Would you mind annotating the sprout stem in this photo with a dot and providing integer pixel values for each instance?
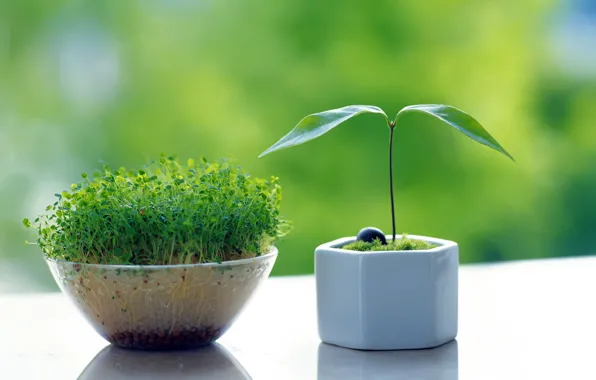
(391, 128)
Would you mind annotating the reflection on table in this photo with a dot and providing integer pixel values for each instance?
(211, 362)
(439, 363)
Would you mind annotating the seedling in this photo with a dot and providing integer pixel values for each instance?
(317, 124)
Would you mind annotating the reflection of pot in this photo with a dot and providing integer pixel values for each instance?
(211, 362)
(440, 363)
(162, 306)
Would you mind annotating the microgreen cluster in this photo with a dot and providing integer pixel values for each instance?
(403, 244)
(165, 213)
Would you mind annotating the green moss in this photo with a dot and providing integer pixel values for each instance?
(164, 213)
(402, 244)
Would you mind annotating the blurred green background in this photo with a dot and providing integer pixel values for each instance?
(123, 82)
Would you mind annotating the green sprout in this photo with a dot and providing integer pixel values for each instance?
(317, 124)
(164, 213)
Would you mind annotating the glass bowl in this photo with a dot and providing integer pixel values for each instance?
(158, 307)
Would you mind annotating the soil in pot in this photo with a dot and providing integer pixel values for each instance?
(401, 244)
(166, 339)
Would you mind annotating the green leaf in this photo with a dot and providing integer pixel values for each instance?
(317, 124)
(26, 223)
(459, 120)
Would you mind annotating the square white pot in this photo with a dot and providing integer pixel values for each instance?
(387, 300)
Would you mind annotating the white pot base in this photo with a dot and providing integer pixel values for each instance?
(389, 349)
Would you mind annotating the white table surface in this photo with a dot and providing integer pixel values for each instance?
(519, 320)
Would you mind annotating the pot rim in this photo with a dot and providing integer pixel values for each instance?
(271, 254)
(336, 245)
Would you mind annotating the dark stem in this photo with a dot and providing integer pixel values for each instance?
(391, 128)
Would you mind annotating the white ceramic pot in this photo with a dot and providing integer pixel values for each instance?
(387, 300)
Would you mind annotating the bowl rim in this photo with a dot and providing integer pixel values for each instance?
(271, 254)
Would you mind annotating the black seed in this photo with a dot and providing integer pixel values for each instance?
(369, 234)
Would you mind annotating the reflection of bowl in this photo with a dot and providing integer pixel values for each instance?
(440, 363)
(208, 362)
(162, 306)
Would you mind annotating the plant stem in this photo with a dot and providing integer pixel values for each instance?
(391, 128)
